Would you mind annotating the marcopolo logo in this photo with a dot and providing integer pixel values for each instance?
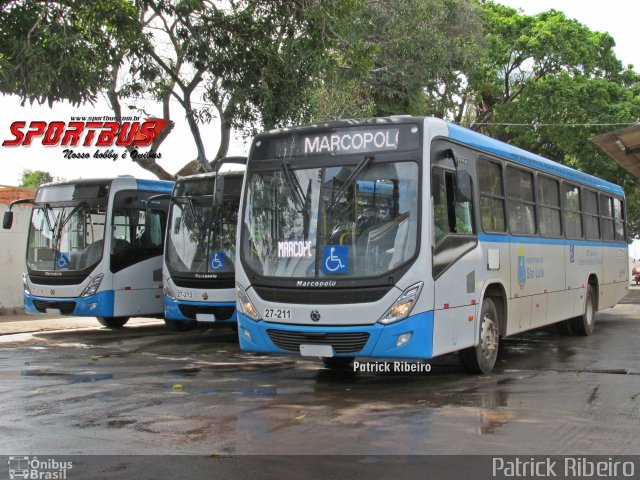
(34, 468)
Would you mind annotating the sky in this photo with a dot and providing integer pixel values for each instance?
(617, 17)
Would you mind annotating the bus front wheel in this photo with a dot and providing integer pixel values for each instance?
(482, 357)
(113, 322)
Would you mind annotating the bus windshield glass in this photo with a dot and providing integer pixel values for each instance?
(202, 230)
(357, 220)
(67, 227)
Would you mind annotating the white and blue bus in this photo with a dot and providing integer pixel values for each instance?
(198, 270)
(94, 248)
(410, 238)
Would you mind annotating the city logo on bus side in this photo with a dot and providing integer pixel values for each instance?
(522, 268)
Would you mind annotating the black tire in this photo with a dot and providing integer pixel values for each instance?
(482, 357)
(337, 363)
(564, 327)
(181, 325)
(113, 322)
(234, 326)
(585, 323)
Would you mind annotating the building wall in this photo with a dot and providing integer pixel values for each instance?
(13, 245)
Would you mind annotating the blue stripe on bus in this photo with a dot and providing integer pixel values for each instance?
(100, 304)
(485, 237)
(253, 336)
(172, 309)
(491, 145)
(162, 186)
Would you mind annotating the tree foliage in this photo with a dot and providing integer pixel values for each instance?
(57, 50)
(401, 57)
(34, 178)
(543, 82)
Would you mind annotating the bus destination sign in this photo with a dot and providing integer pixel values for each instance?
(339, 142)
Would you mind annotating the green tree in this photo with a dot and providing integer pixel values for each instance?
(62, 50)
(34, 178)
(247, 63)
(548, 84)
(401, 57)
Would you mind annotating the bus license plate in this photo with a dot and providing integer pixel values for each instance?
(205, 317)
(277, 313)
(316, 350)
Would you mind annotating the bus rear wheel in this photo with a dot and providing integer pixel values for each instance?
(181, 325)
(585, 323)
(337, 363)
(482, 357)
(112, 322)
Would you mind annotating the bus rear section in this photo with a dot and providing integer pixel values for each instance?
(95, 249)
(199, 275)
(412, 237)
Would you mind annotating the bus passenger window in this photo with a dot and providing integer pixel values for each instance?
(549, 207)
(619, 220)
(572, 211)
(590, 210)
(491, 196)
(520, 207)
(606, 217)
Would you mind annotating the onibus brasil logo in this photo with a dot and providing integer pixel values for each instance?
(100, 132)
(34, 468)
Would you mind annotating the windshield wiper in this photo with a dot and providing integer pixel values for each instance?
(61, 221)
(362, 164)
(294, 186)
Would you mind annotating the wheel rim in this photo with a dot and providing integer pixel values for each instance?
(589, 313)
(488, 337)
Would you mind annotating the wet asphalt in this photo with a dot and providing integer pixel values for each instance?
(144, 390)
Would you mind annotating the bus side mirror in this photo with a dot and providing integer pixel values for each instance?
(7, 220)
(463, 187)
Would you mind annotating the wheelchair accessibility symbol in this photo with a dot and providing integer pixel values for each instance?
(62, 260)
(216, 261)
(335, 259)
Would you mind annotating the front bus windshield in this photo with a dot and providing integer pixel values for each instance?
(357, 220)
(67, 227)
(202, 231)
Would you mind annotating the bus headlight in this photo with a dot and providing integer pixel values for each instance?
(244, 304)
(92, 288)
(168, 292)
(25, 284)
(403, 305)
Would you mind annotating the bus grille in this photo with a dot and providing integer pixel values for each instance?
(341, 342)
(66, 308)
(214, 283)
(319, 296)
(221, 313)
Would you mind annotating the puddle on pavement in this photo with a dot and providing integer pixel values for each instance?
(84, 377)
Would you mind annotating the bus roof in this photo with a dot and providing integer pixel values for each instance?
(523, 157)
(471, 138)
(160, 186)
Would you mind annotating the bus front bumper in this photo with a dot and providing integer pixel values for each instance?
(383, 340)
(97, 305)
(201, 311)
